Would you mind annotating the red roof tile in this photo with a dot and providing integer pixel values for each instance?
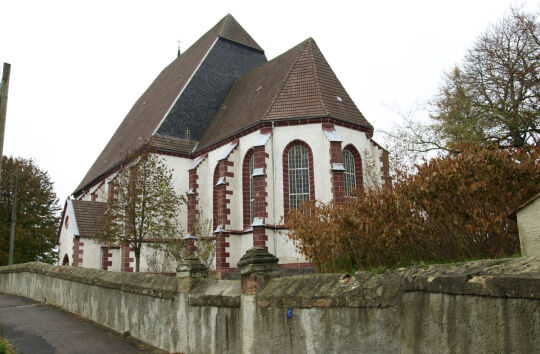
(89, 215)
(149, 110)
(298, 84)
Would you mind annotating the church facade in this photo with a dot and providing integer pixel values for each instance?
(248, 140)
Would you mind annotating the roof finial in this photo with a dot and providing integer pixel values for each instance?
(179, 42)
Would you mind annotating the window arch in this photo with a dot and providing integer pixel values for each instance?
(65, 261)
(352, 162)
(247, 188)
(298, 177)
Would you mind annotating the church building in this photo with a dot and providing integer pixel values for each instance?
(248, 139)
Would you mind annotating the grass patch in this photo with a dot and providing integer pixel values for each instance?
(6, 347)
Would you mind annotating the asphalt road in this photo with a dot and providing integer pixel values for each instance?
(35, 328)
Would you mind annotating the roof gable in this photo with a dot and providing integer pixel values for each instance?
(155, 104)
(298, 84)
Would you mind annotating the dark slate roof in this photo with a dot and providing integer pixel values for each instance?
(147, 113)
(170, 143)
(89, 216)
(295, 85)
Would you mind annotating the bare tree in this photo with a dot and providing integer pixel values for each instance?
(494, 95)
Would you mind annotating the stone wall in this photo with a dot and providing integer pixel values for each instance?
(482, 306)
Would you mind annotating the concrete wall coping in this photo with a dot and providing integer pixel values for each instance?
(510, 278)
(140, 283)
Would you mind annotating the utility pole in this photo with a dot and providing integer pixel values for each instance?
(13, 222)
(4, 87)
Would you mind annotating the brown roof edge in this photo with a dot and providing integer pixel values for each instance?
(61, 223)
(513, 214)
(98, 179)
(268, 122)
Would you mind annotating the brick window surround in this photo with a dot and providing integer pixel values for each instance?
(286, 206)
(357, 166)
(246, 190)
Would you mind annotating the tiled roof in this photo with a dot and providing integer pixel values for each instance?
(297, 84)
(89, 216)
(170, 143)
(149, 110)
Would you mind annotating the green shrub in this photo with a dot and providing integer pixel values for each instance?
(6, 347)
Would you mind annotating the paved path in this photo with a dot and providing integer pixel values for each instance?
(35, 328)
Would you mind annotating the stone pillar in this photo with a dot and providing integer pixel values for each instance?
(191, 268)
(256, 268)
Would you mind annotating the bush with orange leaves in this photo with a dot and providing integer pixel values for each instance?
(455, 207)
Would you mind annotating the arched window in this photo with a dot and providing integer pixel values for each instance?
(350, 176)
(247, 188)
(298, 184)
(352, 162)
(298, 176)
(65, 261)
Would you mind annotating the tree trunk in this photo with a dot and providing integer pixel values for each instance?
(137, 258)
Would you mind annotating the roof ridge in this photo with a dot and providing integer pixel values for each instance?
(305, 42)
(311, 40)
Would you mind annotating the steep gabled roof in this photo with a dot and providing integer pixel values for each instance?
(295, 85)
(151, 108)
(88, 216)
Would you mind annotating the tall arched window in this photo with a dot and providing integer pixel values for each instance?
(298, 176)
(298, 184)
(352, 163)
(350, 176)
(248, 192)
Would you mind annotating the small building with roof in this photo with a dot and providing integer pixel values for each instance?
(248, 138)
(528, 221)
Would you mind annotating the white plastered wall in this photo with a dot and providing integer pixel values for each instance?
(115, 259)
(65, 245)
(91, 253)
(528, 219)
(162, 263)
(180, 167)
(368, 151)
(312, 134)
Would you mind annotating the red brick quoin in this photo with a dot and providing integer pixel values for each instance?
(222, 211)
(337, 177)
(125, 265)
(193, 204)
(105, 256)
(77, 252)
(260, 194)
(286, 174)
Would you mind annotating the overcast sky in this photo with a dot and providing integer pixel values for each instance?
(79, 66)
